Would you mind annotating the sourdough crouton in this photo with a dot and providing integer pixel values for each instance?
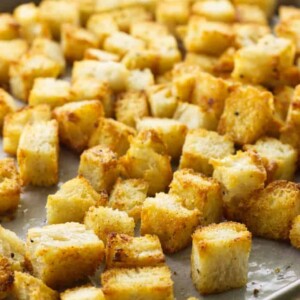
(100, 55)
(148, 283)
(198, 191)
(16, 121)
(28, 287)
(240, 175)
(10, 185)
(295, 233)
(77, 121)
(200, 146)
(128, 195)
(38, 153)
(171, 132)
(105, 220)
(83, 293)
(268, 6)
(6, 277)
(247, 123)
(112, 134)
(99, 165)
(7, 105)
(124, 251)
(75, 196)
(248, 13)
(220, 255)
(165, 217)
(9, 27)
(55, 252)
(139, 80)
(146, 158)
(269, 212)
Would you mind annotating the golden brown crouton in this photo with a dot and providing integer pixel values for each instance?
(248, 13)
(283, 96)
(288, 12)
(6, 277)
(268, 6)
(7, 105)
(139, 80)
(83, 293)
(9, 27)
(295, 233)
(100, 55)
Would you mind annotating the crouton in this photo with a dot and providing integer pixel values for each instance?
(148, 283)
(83, 293)
(26, 287)
(247, 123)
(128, 195)
(205, 62)
(77, 121)
(171, 132)
(54, 253)
(6, 277)
(100, 55)
(248, 13)
(295, 233)
(200, 146)
(146, 158)
(76, 196)
(288, 13)
(139, 80)
(38, 153)
(183, 85)
(9, 27)
(165, 217)
(198, 191)
(105, 220)
(86, 9)
(268, 6)
(283, 96)
(220, 256)
(148, 31)
(7, 105)
(240, 175)
(16, 121)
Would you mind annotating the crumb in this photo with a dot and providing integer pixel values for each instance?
(255, 292)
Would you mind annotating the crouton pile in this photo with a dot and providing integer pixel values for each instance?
(186, 118)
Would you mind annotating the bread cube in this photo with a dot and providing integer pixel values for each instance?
(200, 146)
(55, 253)
(75, 41)
(271, 211)
(75, 196)
(11, 51)
(7, 105)
(6, 278)
(100, 55)
(16, 121)
(247, 123)
(240, 175)
(283, 96)
(83, 293)
(220, 256)
(295, 233)
(77, 121)
(146, 158)
(147, 283)
(280, 160)
(198, 191)
(264, 62)
(268, 6)
(50, 13)
(38, 153)
(171, 132)
(105, 220)
(128, 195)
(288, 12)
(9, 27)
(205, 62)
(139, 80)
(248, 13)
(124, 251)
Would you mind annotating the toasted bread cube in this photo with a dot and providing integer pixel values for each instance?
(124, 251)
(56, 251)
(100, 55)
(148, 30)
(270, 212)
(12, 248)
(75, 41)
(27, 69)
(83, 293)
(216, 10)
(205, 62)
(246, 124)
(50, 13)
(7, 105)
(248, 13)
(38, 153)
(146, 158)
(165, 217)
(264, 62)
(11, 51)
(240, 175)
(77, 121)
(268, 6)
(9, 27)
(75, 196)
(198, 191)
(171, 132)
(282, 99)
(105, 220)
(295, 233)
(6, 277)
(200, 146)
(148, 283)
(288, 13)
(99, 165)
(16, 121)
(129, 195)
(220, 256)
(279, 159)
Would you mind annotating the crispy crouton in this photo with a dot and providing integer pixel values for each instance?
(100, 55)
(288, 13)
(9, 27)
(55, 252)
(283, 96)
(105, 220)
(6, 277)
(148, 283)
(205, 62)
(165, 217)
(295, 233)
(7, 105)
(83, 293)
(139, 80)
(268, 6)
(248, 13)
(76, 196)
(200, 146)
(220, 255)
(38, 153)
(148, 31)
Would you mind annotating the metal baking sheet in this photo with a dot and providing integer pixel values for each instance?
(274, 271)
